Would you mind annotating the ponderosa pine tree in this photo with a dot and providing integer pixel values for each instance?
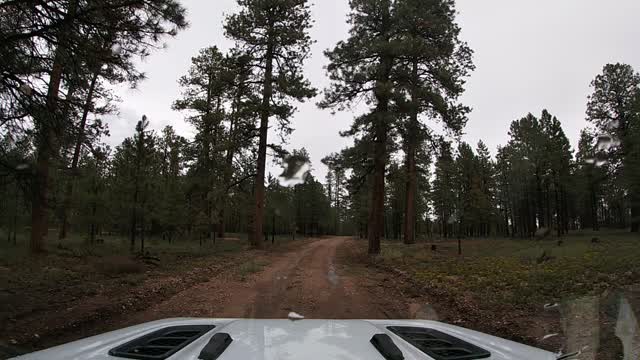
(613, 109)
(361, 68)
(274, 36)
(204, 93)
(432, 66)
(44, 43)
(589, 178)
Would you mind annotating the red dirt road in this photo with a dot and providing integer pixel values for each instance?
(305, 277)
(305, 280)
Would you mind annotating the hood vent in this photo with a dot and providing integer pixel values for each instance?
(439, 345)
(161, 344)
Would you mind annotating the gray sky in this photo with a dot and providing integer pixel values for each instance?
(530, 55)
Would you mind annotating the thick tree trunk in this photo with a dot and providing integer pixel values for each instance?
(376, 209)
(255, 237)
(412, 173)
(68, 194)
(337, 201)
(49, 128)
(227, 172)
(46, 151)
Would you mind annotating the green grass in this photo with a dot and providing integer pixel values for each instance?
(77, 246)
(504, 271)
(251, 267)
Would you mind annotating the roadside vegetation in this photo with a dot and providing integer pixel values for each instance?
(520, 290)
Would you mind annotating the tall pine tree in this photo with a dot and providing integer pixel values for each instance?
(273, 35)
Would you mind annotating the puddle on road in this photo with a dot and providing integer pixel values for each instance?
(332, 276)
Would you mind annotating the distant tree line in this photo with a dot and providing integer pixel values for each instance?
(536, 183)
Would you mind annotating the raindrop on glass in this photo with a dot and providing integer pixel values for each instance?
(296, 169)
(606, 142)
(26, 89)
(614, 124)
(116, 49)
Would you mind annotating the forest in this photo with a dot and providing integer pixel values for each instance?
(408, 175)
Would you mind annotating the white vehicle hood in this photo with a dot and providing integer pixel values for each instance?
(288, 340)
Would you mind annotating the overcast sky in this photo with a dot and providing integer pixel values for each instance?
(530, 55)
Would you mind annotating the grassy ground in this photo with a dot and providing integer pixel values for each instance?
(501, 286)
(98, 280)
(504, 271)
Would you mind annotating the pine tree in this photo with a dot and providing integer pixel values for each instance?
(361, 68)
(205, 90)
(443, 191)
(336, 182)
(613, 109)
(47, 47)
(432, 67)
(273, 35)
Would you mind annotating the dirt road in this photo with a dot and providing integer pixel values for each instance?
(306, 280)
(306, 277)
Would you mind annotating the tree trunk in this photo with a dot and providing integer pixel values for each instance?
(255, 237)
(539, 204)
(134, 214)
(68, 194)
(15, 218)
(635, 213)
(376, 210)
(132, 235)
(337, 201)
(228, 171)
(142, 224)
(594, 210)
(48, 130)
(380, 118)
(412, 173)
(558, 210)
(46, 151)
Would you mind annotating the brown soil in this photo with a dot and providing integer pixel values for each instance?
(305, 280)
(304, 277)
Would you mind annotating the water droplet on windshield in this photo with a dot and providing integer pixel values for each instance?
(614, 124)
(453, 219)
(606, 142)
(596, 162)
(26, 89)
(116, 49)
(296, 170)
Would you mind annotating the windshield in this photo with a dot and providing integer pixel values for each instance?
(471, 162)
